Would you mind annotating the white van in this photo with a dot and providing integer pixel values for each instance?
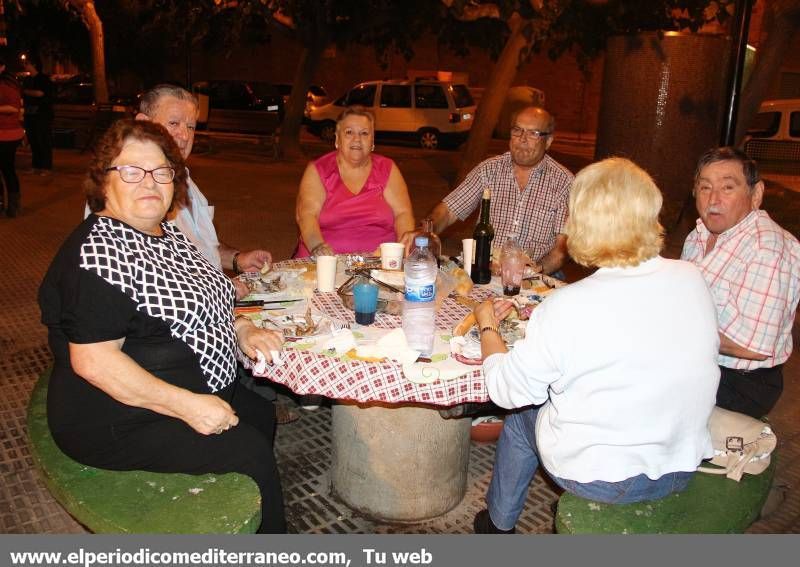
(434, 113)
(775, 134)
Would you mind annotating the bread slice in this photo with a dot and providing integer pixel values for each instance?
(464, 325)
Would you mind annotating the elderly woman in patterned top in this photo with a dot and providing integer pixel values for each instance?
(142, 331)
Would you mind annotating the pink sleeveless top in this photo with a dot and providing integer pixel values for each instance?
(354, 223)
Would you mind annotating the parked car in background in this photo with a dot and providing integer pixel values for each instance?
(315, 96)
(239, 106)
(433, 113)
(77, 119)
(775, 133)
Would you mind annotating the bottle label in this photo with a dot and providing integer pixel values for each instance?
(420, 293)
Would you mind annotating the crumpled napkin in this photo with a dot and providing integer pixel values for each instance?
(341, 340)
(465, 347)
(260, 365)
(391, 345)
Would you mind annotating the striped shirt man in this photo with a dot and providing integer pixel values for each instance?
(533, 215)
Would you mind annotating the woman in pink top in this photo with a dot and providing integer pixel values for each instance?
(352, 200)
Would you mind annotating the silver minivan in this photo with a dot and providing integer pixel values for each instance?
(775, 133)
(433, 113)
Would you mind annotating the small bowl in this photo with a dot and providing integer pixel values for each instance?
(486, 431)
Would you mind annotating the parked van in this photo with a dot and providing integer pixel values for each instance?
(434, 113)
(775, 134)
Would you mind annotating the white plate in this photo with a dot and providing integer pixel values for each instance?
(471, 347)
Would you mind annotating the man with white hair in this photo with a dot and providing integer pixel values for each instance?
(177, 109)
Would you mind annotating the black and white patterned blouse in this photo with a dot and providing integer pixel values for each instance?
(169, 279)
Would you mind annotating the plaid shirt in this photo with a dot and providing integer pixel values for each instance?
(754, 275)
(533, 216)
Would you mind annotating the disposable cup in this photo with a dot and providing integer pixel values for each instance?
(326, 273)
(392, 255)
(468, 254)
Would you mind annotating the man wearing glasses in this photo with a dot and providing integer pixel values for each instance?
(529, 192)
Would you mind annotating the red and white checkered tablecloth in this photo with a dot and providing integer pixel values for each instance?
(306, 372)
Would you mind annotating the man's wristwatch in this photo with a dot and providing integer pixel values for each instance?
(490, 328)
(236, 263)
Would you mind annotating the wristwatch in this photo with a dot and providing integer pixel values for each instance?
(235, 262)
(490, 328)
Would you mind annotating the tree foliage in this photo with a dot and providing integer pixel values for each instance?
(586, 26)
(557, 26)
(388, 26)
(45, 28)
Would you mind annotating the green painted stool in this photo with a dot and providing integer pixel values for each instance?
(711, 504)
(136, 501)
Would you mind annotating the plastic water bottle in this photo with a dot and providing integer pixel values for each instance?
(419, 307)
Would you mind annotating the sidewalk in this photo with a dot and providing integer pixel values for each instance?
(254, 198)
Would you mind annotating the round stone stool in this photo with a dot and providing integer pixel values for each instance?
(403, 464)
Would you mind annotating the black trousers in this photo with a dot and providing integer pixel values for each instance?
(169, 445)
(40, 136)
(8, 168)
(752, 392)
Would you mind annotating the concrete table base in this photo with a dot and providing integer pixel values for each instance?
(402, 464)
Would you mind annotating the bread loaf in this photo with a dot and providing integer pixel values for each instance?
(465, 325)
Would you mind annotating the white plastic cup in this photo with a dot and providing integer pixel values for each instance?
(468, 254)
(392, 255)
(326, 274)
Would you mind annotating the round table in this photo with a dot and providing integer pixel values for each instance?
(394, 456)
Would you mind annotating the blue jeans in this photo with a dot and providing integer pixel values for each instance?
(517, 459)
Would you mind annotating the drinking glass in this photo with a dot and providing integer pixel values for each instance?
(512, 268)
(365, 301)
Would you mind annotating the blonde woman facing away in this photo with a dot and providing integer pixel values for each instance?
(616, 377)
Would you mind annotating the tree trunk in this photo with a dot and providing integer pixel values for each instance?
(781, 22)
(95, 27)
(493, 97)
(289, 145)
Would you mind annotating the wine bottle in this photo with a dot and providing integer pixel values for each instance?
(483, 235)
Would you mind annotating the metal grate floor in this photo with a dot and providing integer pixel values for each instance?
(303, 450)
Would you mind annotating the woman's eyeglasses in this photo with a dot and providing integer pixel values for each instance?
(134, 173)
(517, 132)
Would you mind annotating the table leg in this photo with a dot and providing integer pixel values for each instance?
(403, 464)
